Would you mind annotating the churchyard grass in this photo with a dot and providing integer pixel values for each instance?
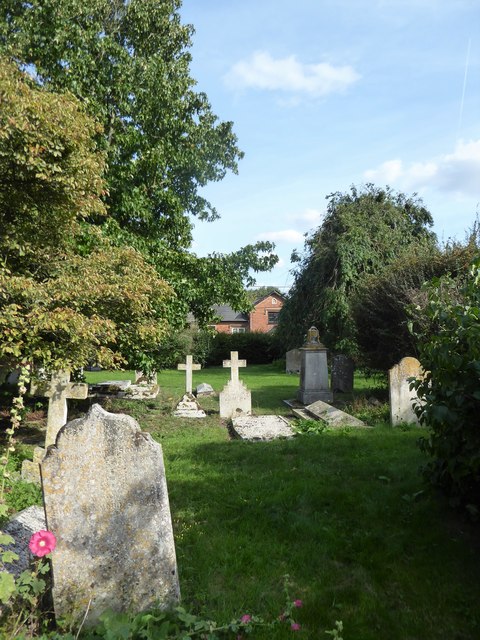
(344, 513)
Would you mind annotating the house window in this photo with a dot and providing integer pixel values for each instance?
(237, 329)
(273, 317)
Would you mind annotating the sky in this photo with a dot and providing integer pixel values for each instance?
(324, 94)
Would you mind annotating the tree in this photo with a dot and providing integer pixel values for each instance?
(128, 62)
(67, 294)
(385, 303)
(362, 231)
(449, 350)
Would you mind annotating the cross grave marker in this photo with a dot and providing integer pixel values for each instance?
(189, 367)
(234, 363)
(58, 389)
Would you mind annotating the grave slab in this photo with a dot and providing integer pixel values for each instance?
(262, 428)
(106, 501)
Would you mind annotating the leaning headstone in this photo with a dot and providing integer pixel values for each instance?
(314, 370)
(235, 399)
(21, 527)
(402, 398)
(58, 390)
(261, 428)
(332, 416)
(189, 367)
(342, 374)
(106, 501)
(293, 361)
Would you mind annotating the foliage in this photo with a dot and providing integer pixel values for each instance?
(68, 296)
(363, 230)
(128, 62)
(384, 302)
(254, 346)
(308, 426)
(450, 355)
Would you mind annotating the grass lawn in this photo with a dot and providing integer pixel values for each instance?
(345, 514)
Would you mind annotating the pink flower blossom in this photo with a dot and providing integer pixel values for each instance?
(295, 626)
(42, 542)
(297, 603)
(246, 618)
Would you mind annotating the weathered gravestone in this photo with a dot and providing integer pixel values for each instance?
(401, 397)
(293, 361)
(314, 370)
(21, 527)
(261, 428)
(342, 374)
(235, 399)
(106, 501)
(58, 390)
(189, 367)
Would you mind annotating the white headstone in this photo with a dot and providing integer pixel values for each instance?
(235, 399)
(189, 367)
(106, 501)
(402, 398)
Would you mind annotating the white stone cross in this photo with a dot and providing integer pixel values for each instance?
(189, 367)
(58, 389)
(234, 363)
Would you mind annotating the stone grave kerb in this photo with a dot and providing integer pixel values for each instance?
(58, 390)
(233, 364)
(189, 367)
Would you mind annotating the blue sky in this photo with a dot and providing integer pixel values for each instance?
(328, 93)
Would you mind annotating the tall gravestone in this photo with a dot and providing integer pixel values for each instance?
(314, 370)
(235, 399)
(342, 374)
(106, 501)
(402, 398)
(189, 367)
(293, 361)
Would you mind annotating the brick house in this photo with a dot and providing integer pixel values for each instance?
(262, 318)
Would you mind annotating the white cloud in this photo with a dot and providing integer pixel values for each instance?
(313, 217)
(262, 71)
(287, 235)
(458, 171)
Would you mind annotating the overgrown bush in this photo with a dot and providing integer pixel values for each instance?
(254, 347)
(450, 354)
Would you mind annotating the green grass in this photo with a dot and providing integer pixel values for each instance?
(345, 513)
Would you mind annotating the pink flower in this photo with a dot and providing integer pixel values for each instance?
(42, 542)
(295, 626)
(297, 603)
(246, 618)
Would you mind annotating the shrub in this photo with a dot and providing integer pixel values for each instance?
(254, 347)
(450, 354)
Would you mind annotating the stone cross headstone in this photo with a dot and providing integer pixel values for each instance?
(234, 364)
(401, 397)
(106, 501)
(189, 367)
(58, 389)
(314, 371)
(342, 374)
(235, 399)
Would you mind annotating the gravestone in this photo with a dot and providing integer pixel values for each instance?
(204, 389)
(188, 407)
(293, 361)
(106, 501)
(401, 397)
(58, 390)
(342, 374)
(235, 399)
(21, 527)
(189, 367)
(314, 370)
(261, 428)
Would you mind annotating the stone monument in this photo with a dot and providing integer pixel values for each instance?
(106, 501)
(402, 398)
(314, 370)
(235, 399)
(189, 367)
(342, 374)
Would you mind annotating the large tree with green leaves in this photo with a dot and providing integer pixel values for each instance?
(68, 295)
(363, 230)
(128, 62)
